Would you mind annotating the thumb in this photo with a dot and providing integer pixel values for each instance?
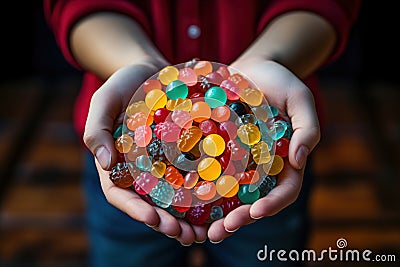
(106, 108)
(103, 110)
(306, 131)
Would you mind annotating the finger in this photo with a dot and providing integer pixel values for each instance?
(187, 236)
(200, 232)
(127, 201)
(285, 193)
(237, 218)
(108, 104)
(168, 225)
(304, 119)
(99, 126)
(216, 232)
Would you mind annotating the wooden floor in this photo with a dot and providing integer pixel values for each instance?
(41, 218)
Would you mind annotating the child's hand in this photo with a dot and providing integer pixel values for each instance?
(295, 102)
(107, 109)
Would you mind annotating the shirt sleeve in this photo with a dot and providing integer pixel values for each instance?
(62, 15)
(341, 14)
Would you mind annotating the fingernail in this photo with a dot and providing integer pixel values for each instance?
(256, 218)
(232, 231)
(185, 245)
(216, 242)
(200, 242)
(171, 236)
(301, 156)
(103, 157)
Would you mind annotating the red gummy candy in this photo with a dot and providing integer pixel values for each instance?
(198, 214)
(208, 127)
(182, 199)
(282, 147)
(229, 204)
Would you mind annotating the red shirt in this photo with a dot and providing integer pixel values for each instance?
(181, 30)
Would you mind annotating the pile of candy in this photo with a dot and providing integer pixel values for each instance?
(199, 140)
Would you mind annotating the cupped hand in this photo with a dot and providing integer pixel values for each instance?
(106, 111)
(295, 102)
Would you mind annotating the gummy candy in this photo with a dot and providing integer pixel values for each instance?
(229, 204)
(266, 185)
(168, 74)
(209, 169)
(189, 138)
(249, 134)
(124, 143)
(238, 107)
(200, 111)
(213, 145)
(276, 166)
(215, 97)
(278, 130)
(260, 152)
(190, 179)
(248, 177)
(167, 131)
(223, 71)
(145, 182)
(252, 96)
(138, 119)
(205, 190)
(237, 152)
(151, 84)
(160, 115)
(158, 169)
(199, 140)
(227, 186)
(182, 199)
(282, 147)
(139, 106)
(214, 77)
(121, 176)
(182, 118)
(241, 82)
(232, 90)
(188, 76)
(176, 89)
(179, 104)
(173, 176)
(143, 135)
(216, 213)
(246, 196)
(220, 114)
(199, 213)
(208, 127)
(162, 194)
(143, 162)
(203, 68)
(228, 130)
(260, 112)
(155, 99)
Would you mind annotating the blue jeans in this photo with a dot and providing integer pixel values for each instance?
(116, 240)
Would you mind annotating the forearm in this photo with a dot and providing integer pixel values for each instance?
(104, 42)
(299, 40)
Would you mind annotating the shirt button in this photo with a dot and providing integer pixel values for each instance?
(194, 31)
